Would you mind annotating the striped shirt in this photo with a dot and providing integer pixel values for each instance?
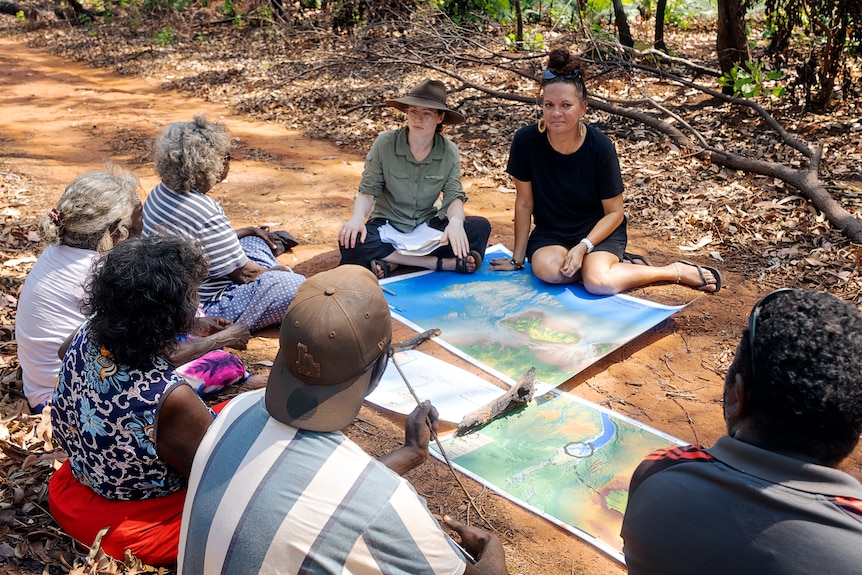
(265, 497)
(197, 216)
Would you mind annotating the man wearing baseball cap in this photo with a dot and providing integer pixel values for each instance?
(276, 487)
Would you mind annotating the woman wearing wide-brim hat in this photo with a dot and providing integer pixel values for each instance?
(406, 172)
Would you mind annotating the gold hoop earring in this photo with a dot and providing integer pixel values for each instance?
(542, 126)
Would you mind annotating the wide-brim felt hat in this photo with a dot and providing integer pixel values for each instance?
(428, 94)
(334, 332)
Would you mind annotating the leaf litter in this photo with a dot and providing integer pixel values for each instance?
(768, 233)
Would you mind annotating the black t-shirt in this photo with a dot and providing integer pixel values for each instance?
(568, 189)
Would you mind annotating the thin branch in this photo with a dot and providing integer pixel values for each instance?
(789, 139)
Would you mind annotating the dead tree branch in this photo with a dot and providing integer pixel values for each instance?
(449, 52)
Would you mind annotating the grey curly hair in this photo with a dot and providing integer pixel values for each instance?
(95, 209)
(191, 155)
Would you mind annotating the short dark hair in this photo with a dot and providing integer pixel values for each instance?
(806, 395)
(143, 294)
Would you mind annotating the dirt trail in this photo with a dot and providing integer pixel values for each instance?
(61, 118)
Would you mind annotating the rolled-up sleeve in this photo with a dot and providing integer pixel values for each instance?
(452, 188)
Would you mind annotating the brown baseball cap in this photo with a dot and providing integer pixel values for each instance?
(333, 333)
(428, 94)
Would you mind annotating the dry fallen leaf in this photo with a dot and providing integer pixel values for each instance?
(705, 240)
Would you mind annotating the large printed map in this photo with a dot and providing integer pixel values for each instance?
(566, 459)
(562, 457)
(507, 322)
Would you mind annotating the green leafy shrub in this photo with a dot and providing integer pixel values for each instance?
(750, 79)
(165, 36)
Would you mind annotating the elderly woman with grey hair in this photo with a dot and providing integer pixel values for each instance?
(97, 211)
(246, 282)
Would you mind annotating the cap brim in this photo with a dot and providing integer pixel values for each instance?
(313, 407)
(451, 117)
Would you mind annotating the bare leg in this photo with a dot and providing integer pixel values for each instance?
(547, 263)
(603, 273)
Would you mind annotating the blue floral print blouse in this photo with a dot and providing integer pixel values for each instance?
(104, 417)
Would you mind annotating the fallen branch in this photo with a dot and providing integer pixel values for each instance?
(516, 398)
(806, 181)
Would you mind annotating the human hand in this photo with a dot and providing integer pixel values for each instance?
(350, 231)
(235, 335)
(208, 325)
(457, 238)
(417, 433)
(262, 233)
(574, 260)
(503, 265)
(473, 539)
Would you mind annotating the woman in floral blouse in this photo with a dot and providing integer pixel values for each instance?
(128, 421)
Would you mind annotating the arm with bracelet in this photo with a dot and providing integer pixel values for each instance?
(523, 223)
(612, 218)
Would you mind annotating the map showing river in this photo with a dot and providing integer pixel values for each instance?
(566, 459)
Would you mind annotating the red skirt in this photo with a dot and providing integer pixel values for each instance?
(149, 528)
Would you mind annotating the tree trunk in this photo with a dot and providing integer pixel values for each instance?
(660, 8)
(622, 25)
(519, 26)
(731, 42)
(831, 59)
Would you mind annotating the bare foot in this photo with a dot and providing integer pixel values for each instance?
(256, 381)
(471, 264)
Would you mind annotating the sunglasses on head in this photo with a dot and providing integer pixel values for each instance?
(573, 75)
(755, 313)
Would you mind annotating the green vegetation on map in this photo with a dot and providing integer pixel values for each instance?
(534, 327)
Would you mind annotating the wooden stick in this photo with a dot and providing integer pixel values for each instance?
(516, 398)
(437, 439)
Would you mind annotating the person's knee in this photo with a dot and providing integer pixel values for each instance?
(258, 251)
(597, 283)
(278, 285)
(480, 224)
(547, 271)
(480, 229)
(253, 242)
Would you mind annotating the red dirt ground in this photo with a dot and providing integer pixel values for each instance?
(61, 118)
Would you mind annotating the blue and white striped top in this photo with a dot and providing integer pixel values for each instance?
(265, 497)
(197, 216)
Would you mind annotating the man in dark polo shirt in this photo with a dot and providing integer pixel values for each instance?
(767, 498)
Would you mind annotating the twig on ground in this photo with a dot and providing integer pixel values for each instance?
(688, 417)
(666, 359)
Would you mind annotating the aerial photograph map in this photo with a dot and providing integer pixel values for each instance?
(561, 456)
(507, 322)
(564, 458)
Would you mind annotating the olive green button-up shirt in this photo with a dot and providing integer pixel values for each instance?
(406, 191)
